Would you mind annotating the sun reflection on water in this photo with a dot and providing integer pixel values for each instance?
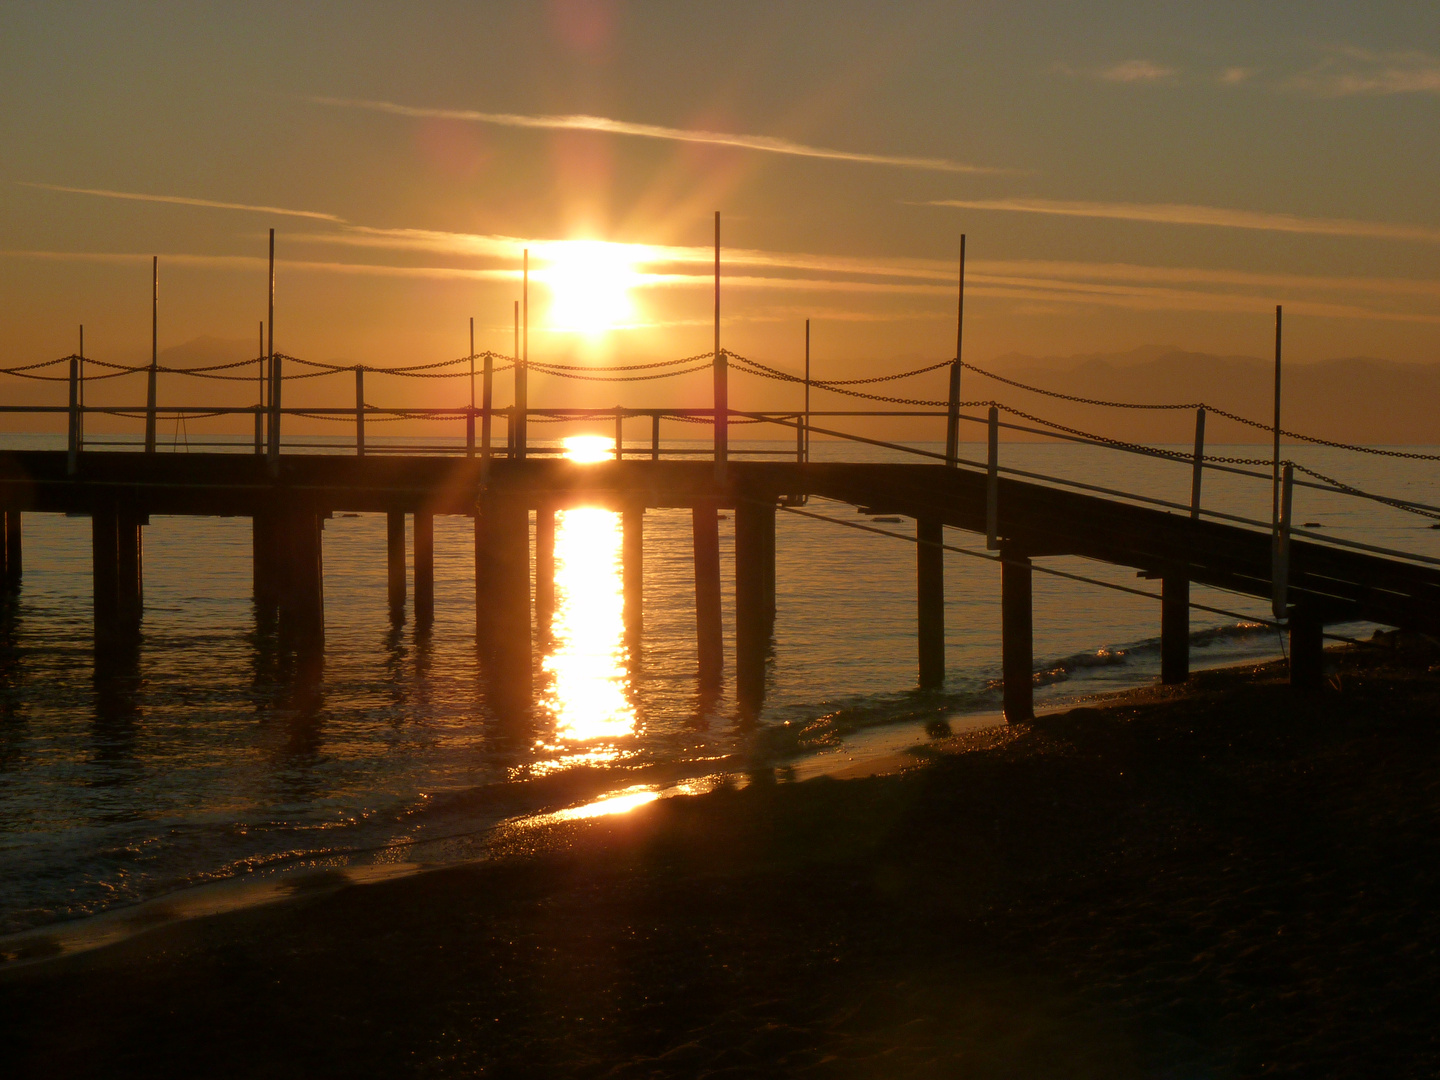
(587, 665)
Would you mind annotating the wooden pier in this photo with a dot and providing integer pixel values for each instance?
(290, 497)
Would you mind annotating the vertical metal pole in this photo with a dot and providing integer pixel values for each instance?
(952, 419)
(260, 407)
(470, 416)
(522, 369)
(619, 433)
(722, 390)
(273, 451)
(359, 410)
(72, 459)
(80, 442)
(154, 355)
(1275, 465)
(807, 390)
(992, 483)
(510, 413)
(487, 388)
(1280, 568)
(1198, 474)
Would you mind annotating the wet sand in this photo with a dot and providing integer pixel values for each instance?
(1222, 880)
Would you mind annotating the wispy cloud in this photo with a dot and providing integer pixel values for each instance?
(1350, 72)
(1234, 76)
(181, 200)
(1136, 71)
(580, 122)
(1185, 214)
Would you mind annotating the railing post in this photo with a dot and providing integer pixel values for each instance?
(952, 419)
(273, 449)
(72, 459)
(722, 389)
(992, 483)
(1280, 558)
(619, 433)
(655, 436)
(154, 355)
(487, 387)
(359, 410)
(1199, 471)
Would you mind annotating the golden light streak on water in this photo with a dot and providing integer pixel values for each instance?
(588, 663)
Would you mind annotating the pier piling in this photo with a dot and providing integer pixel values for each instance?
(10, 549)
(395, 563)
(1307, 652)
(302, 592)
(265, 560)
(709, 637)
(1016, 635)
(129, 567)
(930, 581)
(754, 599)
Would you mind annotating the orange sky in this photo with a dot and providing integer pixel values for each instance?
(1128, 175)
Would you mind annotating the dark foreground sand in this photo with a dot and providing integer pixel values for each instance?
(1226, 881)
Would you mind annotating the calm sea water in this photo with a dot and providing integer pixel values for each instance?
(205, 756)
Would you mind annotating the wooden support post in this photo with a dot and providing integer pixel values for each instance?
(129, 570)
(655, 436)
(633, 566)
(359, 410)
(154, 356)
(722, 385)
(1307, 652)
(105, 572)
(1174, 628)
(1198, 469)
(930, 596)
(424, 569)
(992, 482)
(709, 637)
(1017, 658)
(544, 568)
(302, 597)
(72, 444)
(4, 553)
(395, 564)
(265, 562)
(754, 599)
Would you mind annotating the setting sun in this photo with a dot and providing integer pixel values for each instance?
(590, 283)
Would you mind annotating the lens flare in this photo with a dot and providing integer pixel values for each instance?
(590, 283)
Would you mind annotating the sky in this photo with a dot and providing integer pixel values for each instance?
(1126, 174)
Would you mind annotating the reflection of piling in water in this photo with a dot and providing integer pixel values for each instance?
(709, 635)
(754, 599)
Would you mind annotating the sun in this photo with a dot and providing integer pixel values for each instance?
(590, 283)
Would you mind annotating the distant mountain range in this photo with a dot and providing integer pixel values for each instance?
(1352, 399)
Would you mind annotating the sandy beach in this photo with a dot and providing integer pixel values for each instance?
(1217, 880)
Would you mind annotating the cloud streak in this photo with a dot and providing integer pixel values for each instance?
(581, 122)
(1214, 216)
(1351, 72)
(182, 200)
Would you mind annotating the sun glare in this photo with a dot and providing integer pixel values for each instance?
(590, 283)
(588, 449)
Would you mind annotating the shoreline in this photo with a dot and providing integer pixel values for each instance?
(1207, 880)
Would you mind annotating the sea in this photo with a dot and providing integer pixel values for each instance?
(207, 757)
